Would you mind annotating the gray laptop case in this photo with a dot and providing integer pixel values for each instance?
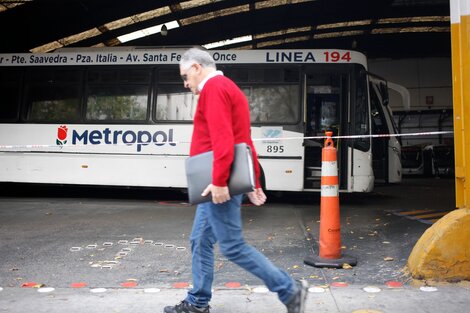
(199, 173)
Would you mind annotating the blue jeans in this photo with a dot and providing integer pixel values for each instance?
(222, 223)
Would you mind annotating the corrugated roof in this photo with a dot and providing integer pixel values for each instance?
(385, 28)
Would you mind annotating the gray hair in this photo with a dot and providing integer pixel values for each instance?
(197, 56)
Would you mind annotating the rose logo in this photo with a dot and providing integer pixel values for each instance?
(61, 135)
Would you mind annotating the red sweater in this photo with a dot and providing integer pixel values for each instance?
(222, 120)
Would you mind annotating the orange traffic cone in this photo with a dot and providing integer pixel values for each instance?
(330, 228)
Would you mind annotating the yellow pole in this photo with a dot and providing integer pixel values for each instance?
(459, 109)
(465, 85)
(443, 252)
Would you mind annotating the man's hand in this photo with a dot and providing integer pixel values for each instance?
(257, 197)
(219, 194)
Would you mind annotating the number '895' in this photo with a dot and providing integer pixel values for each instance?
(275, 149)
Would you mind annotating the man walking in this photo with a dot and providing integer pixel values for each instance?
(222, 119)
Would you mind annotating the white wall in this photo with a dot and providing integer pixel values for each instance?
(427, 77)
(424, 78)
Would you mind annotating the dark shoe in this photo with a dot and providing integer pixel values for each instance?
(297, 303)
(185, 307)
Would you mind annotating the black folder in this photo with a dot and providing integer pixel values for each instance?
(199, 173)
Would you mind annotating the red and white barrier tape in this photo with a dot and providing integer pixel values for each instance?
(39, 146)
(360, 136)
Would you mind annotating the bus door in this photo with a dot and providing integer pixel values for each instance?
(386, 150)
(325, 92)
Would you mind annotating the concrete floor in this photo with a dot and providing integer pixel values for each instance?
(132, 247)
(106, 237)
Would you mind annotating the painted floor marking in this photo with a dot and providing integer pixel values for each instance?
(412, 212)
(424, 216)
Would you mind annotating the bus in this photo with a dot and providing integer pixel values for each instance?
(428, 160)
(121, 117)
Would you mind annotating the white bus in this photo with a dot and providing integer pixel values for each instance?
(121, 117)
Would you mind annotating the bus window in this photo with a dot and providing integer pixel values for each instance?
(170, 76)
(361, 113)
(175, 103)
(328, 117)
(270, 99)
(108, 103)
(115, 76)
(273, 103)
(412, 160)
(262, 75)
(53, 95)
(273, 93)
(323, 107)
(380, 145)
(10, 82)
(386, 150)
(117, 95)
